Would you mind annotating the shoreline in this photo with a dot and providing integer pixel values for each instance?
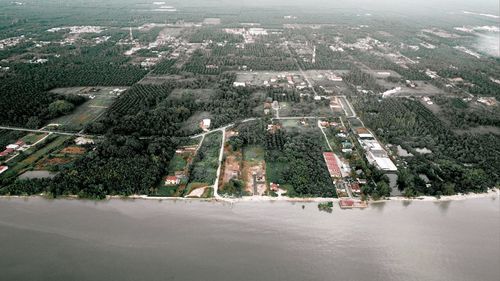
(493, 193)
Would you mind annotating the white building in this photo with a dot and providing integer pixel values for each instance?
(239, 84)
(205, 124)
(256, 31)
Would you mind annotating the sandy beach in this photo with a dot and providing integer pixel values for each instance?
(492, 193)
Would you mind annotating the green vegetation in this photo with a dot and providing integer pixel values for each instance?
(326, 206)
(204, 168)
(293, 159)
(139, 131)
(463, 115)
(235, 188)
(28, 159)
(458, 163)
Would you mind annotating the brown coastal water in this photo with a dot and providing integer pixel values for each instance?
(166, 240)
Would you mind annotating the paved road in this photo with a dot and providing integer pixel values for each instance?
(221, 154)
(296, 117)
(44, 131)
(302, 72)
(326, 138)
(221, 128)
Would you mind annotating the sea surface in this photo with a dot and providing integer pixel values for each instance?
(191, 240)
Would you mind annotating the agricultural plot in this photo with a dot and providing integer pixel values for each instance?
(30, 159)
(294, 160)
(326, 78)
(138, 97)
(254, 170)
(56, 160)
(32, 138)
(99, 100)
(300, 126)
(422, 88)
(206, 162)
(305, 108)
(232, 165)
(255, 56)
(178, 170)
(257, 78)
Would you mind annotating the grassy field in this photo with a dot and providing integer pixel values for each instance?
(294, 125)
(253, 153)
(32, 138)
(206, 162)
(88, 111)
(177, 163)
(167, 191)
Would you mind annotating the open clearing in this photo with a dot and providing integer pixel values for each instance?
(254, 169)
(100, 98)
(197, 95)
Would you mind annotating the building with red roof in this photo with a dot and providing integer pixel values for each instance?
(355, 187)
(3, 169)
(274, 187)
(6, 152)
(332, 164)
(172, 180)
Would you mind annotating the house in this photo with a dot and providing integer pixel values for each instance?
(355, 188)
(6, 152)
(3, 169)
(346, 145)
(239, 84)
(83, 141)
(332, 164)
(20, 143)
(275, 105)
(205, 124)
(324, 124)
(361, 181)
(12, 146)
(172, 180)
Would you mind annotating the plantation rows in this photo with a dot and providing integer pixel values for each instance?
(254, 50)
(140, 97)
(290, 96)
(200, 60)
(166, 67)
(325, 59)
(215, 35)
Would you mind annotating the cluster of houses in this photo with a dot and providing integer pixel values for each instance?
(11, 42)
(249, 34)
(11, 148)
(339, 168)
(340, 172)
